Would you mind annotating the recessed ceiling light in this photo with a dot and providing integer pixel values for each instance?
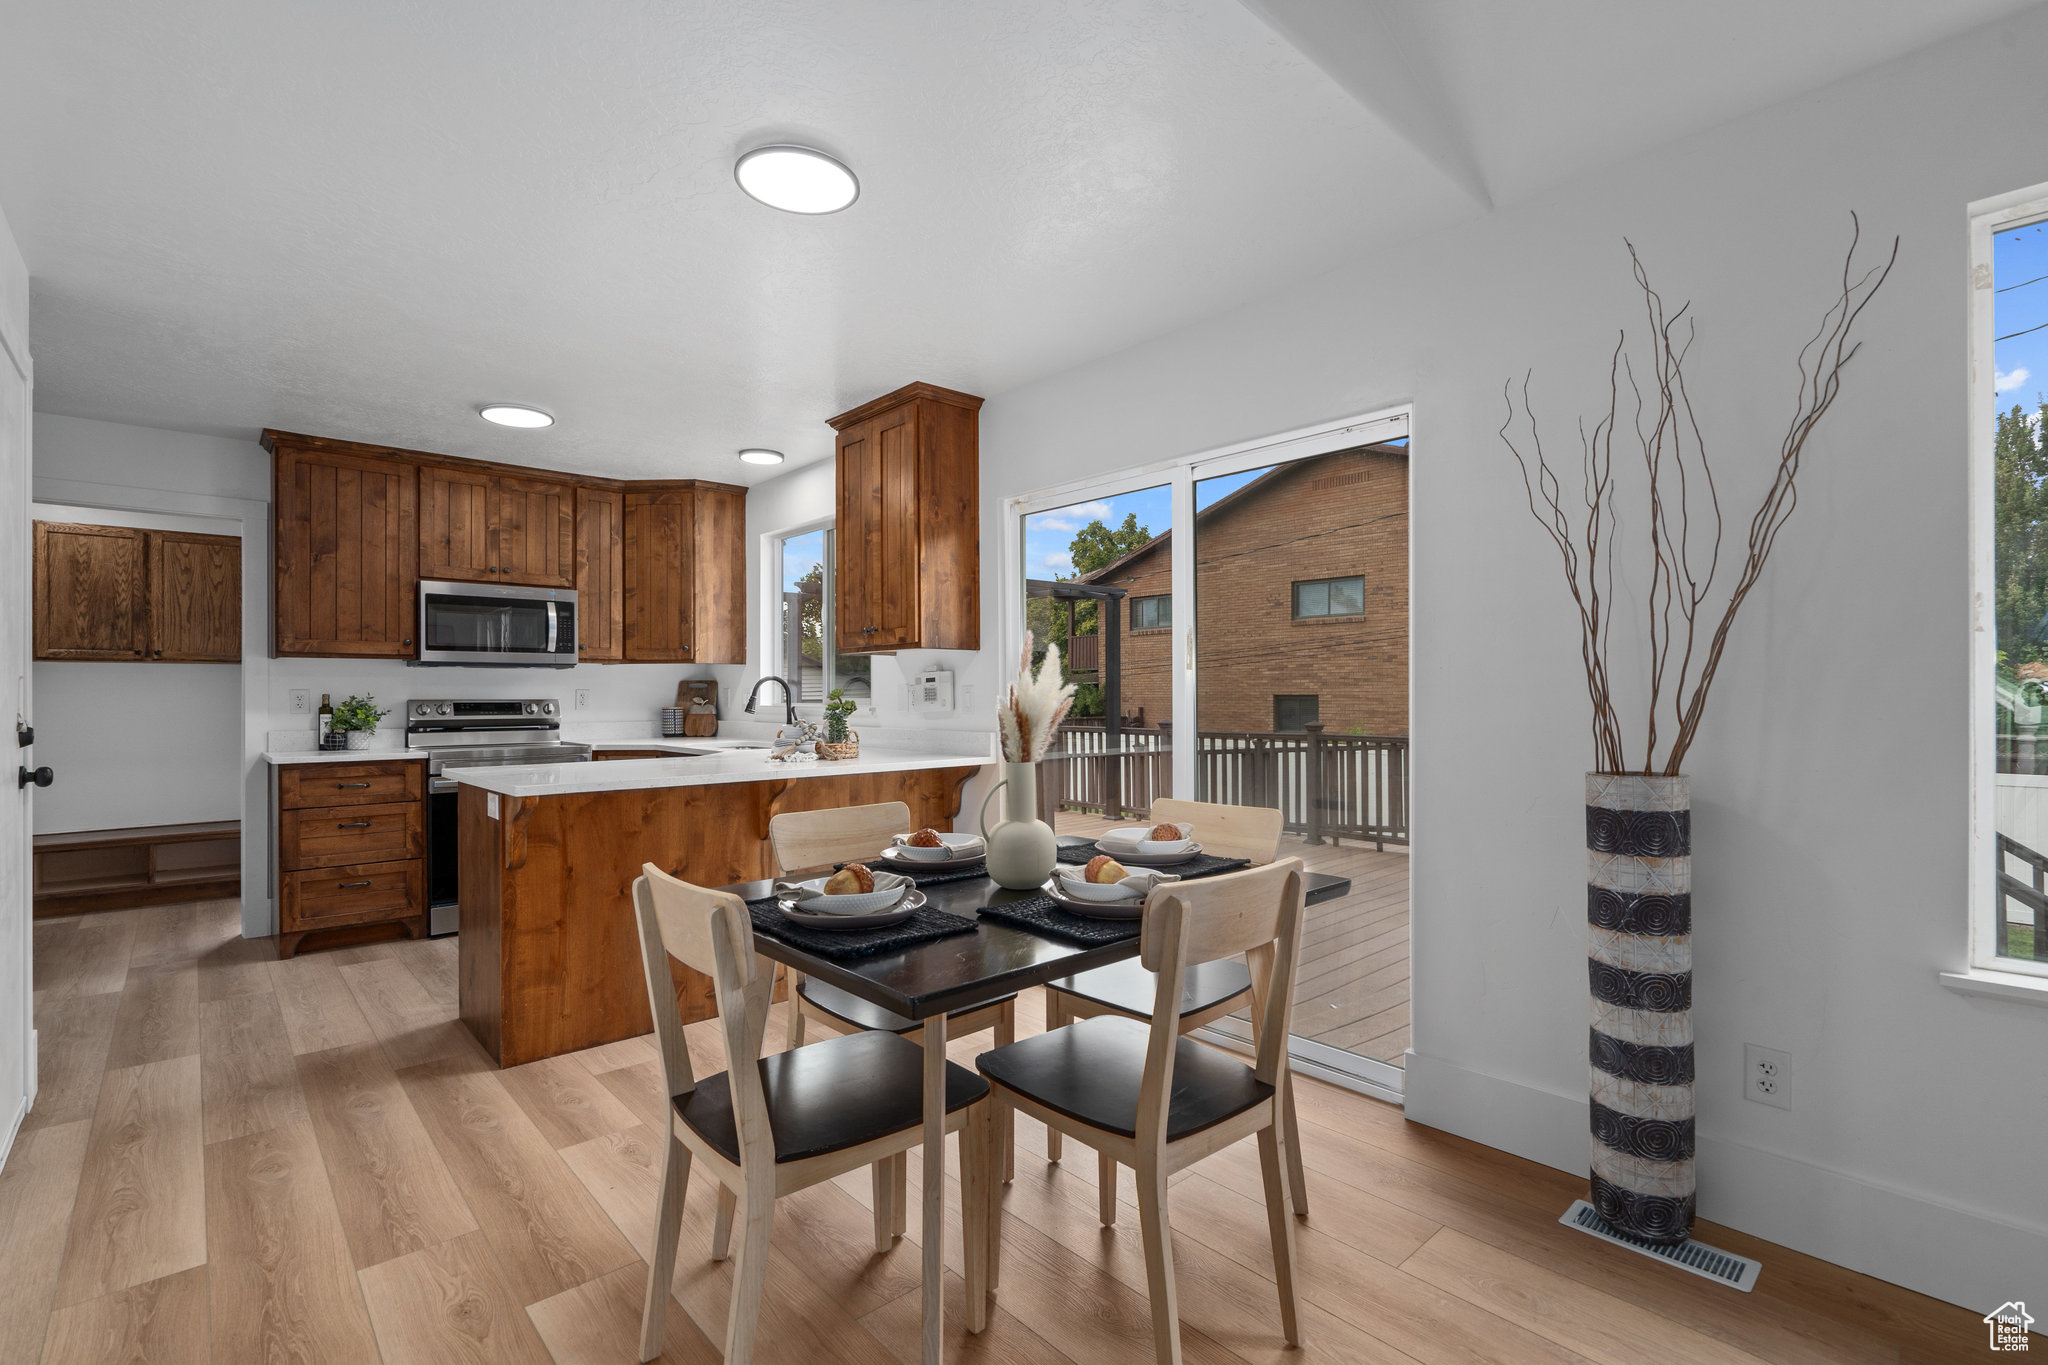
(757, 455)
(796, 179)
(514, 415)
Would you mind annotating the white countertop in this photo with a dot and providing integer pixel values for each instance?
(710, 769)
(279, 756)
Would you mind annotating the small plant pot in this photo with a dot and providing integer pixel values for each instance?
(362, 739)
(846, 748)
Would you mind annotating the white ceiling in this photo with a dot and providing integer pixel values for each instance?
(363, 219)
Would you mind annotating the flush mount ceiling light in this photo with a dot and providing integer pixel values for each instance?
(796, 179)
(756, 455)
(515, 415)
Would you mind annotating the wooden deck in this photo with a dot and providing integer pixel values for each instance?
(1353, 988)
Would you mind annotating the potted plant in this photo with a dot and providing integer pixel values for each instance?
(357, 718)
(839, 742)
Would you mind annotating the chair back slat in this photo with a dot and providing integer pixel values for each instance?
(807, 839)
(1226, 831)
(710, 932)
(1257, 913)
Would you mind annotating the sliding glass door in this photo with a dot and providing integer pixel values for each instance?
(1244, 616)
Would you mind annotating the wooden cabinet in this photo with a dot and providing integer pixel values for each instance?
(492, 528)
(121, 593)
(348, 547)
(195, 598)
(908, 569)
(685, 575)
(600, 575)
(350, 843)
(89, 591)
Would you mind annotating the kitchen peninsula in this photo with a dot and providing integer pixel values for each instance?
(550, 958)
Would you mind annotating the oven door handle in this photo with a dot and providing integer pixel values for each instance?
(441, 784)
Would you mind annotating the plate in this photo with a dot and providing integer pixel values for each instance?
(1134, 837)
(896, 857)
(1130, 857)
(912, 901)
(1124, 910)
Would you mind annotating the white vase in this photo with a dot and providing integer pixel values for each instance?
(362, 739)
(1021, 849)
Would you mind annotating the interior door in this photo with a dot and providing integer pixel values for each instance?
(195, 598)
(17, 1035)
(89, 601)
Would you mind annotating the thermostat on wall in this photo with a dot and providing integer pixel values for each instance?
(931, 692)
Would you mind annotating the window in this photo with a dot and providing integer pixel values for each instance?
(1329, 597)
(1291, 715)
(804, 624)
(1151, 613)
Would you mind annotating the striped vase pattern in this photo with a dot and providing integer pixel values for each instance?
(1639, 968)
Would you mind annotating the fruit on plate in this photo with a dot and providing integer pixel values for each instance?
(1104, 870)
(926, 838)
(852, 880)
(1165, 833)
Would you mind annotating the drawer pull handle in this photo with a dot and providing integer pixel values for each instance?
(350, 886)
(346, 785)
(354, 824)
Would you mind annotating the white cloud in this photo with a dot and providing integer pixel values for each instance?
(1073, 518)
(1059, 561)
(2011, 379)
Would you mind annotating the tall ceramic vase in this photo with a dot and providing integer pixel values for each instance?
(1639, 967)
(1021, 848)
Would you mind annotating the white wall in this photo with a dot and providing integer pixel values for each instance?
(136, 743)
(1831, 780)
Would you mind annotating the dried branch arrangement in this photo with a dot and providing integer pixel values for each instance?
(1033, 707)
(1683, 560)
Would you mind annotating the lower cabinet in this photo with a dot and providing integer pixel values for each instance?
(351, 845)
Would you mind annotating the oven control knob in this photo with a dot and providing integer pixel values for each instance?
(422, 709)
(532, 710)
(445, 708)
(547, 708)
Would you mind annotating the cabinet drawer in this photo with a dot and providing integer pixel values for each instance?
(350, 784)
(327, 897)
(338, 835)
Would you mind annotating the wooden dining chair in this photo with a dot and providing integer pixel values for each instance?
(1213, 989)
(815, 840)
(770, 1126)
(1146, 1097)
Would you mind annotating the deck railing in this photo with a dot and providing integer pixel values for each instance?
(1325, 786)
(2032, 898)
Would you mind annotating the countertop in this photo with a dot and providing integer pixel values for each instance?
(744, 765)
(276, 757)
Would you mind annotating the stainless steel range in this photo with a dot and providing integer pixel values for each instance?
(475, 734)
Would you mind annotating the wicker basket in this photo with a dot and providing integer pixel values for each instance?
(848, 748)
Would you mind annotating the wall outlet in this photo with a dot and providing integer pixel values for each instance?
(302, 702)
(1767, 1076)
(582, 699)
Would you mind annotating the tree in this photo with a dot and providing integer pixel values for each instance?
(1093, 546)
(2019, 463)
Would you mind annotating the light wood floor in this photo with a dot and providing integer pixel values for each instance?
(238, 1159)
(1354, 950)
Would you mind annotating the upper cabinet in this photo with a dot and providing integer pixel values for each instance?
(120, 593)
(659, 569)
(685, 574)
(348, 547)
(600, 575)
(909, 530)
(492, 528)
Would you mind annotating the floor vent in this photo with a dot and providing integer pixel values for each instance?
(1738, 1272)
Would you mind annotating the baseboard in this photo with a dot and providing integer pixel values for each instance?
(14, 1127)
(1968, 1257)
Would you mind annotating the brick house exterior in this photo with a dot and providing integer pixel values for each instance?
(1334, 516)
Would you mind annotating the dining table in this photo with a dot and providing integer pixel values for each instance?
(929, 980)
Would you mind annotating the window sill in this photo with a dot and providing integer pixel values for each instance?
(2028, 990)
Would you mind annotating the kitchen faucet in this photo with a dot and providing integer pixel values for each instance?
(788, 697)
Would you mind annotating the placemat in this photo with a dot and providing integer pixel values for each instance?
(966, 872)
(923, 926)
(1043, 915)
(1203, 865)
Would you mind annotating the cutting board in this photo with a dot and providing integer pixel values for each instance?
(699, 697)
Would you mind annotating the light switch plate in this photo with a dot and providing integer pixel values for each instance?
(302, 702)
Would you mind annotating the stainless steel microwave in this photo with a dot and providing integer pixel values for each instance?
(497, 623)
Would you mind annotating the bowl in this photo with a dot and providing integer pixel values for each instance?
(1074, 882)
(952, 848)
(810, 897)
(1133, 837)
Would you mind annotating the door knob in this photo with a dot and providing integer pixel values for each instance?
(42, 777)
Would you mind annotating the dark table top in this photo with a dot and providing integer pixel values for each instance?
(943, 975)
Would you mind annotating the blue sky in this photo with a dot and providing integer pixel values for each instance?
(1048, 534)
(2019, 263)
